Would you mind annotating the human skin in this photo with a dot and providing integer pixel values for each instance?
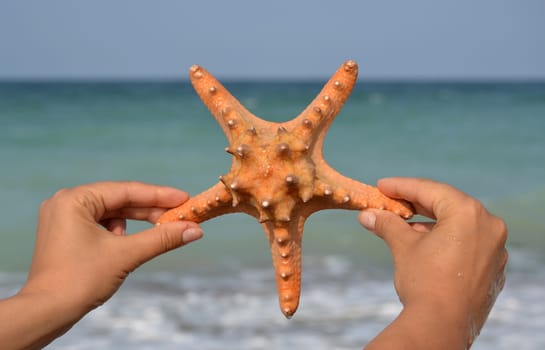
(82, 255)
(447, 273)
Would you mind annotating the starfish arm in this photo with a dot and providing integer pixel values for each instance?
(315, 120)
(285, 240)
(336, 191)
(213, 202)
(278, 174)
(230, 114)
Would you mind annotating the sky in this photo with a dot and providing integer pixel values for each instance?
(280, 39)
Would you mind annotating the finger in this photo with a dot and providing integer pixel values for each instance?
(145, 245)
(429, 198)
(143, 214)
(116, 226)
(103, 197)
(423, 227)
(395, 231)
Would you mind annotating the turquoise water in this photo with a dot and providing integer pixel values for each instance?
(485, 138)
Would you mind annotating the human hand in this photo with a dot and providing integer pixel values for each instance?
(77, 258)
(448, 272)
(82, 254)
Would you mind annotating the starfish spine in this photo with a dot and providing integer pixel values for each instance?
(278, 174)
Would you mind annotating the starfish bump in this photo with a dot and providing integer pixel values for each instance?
(278, 174)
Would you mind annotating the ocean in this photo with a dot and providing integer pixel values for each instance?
(219, 293)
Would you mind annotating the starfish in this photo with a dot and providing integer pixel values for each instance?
(278, 174)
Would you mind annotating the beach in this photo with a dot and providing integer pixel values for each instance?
(484, 138)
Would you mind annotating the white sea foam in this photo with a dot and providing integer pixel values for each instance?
(240, 311)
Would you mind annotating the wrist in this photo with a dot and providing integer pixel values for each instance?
(425, 326)
(437, 325)
(33, 318)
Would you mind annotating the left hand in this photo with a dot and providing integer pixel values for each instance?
(82, 254)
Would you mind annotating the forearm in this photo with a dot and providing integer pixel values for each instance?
(31, 321)
(423, 327)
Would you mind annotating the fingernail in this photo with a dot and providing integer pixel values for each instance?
(191, 234)
(368, 219)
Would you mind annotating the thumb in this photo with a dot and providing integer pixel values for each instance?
(146, 245)
(387, 225)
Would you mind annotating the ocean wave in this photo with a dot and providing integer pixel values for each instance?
(343, 306)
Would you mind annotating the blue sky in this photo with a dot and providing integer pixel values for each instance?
(418, 39)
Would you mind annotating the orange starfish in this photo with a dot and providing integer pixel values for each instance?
(278, 174)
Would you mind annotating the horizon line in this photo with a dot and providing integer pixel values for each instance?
(249, 80)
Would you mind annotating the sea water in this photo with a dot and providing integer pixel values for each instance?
(484, 138)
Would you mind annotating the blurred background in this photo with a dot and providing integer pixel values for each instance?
(450, 90)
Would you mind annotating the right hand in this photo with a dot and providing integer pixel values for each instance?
(454, 264)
